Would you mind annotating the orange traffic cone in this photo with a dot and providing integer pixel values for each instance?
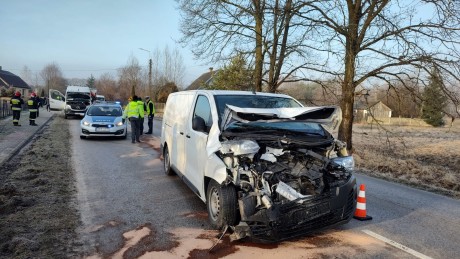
(360, 212)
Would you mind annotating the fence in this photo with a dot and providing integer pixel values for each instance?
(5, 107)
(159, 109)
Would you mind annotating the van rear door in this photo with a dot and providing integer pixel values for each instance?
(56, 100)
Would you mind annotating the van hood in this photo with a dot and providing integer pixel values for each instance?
(329, 116)
(326, 115)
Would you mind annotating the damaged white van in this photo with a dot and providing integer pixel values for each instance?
(265, 166)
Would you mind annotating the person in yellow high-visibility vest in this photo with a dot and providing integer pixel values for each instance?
(150, 109)
(141, 105)
(33, 109)
(132, 113)
(16, 105)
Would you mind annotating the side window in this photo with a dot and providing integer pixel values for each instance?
(202, 113)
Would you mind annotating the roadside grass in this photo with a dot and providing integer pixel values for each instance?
(424, 157)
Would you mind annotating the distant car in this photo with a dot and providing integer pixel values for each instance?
(103, 120)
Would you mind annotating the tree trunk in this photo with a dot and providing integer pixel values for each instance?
(258, 16)
(348, 86)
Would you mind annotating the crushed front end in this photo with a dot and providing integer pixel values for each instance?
(288, 185)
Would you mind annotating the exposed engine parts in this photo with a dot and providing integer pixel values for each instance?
(270, 175)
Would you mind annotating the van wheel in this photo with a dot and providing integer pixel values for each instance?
(221, 203)
(167, 162)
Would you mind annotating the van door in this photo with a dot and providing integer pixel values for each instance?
(56, 100)
(179, 116)
(195, 144)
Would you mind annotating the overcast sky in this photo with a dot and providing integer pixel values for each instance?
(87, 37)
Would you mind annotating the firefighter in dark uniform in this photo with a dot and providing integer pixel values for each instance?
(33, 108)
(16, 105)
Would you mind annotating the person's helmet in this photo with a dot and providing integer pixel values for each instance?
(130, 99)
(147, 97)
(33, 94)
(18, 94)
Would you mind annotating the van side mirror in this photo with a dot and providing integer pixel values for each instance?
(198, 124)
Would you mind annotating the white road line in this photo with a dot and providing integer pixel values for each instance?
(397, 245)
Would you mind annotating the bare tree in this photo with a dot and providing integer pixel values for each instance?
(107, 86)
(168, 66)
(26, 75)
(52, 76)
(364, 42)
(130, 79)
(260, 29)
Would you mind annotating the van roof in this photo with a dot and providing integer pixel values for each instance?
(75, 88)
(231, 92)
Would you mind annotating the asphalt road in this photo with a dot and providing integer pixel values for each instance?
(129, 206)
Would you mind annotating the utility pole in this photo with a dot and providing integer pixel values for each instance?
(150, 80)
(150, 73)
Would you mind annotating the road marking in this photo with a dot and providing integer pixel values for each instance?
(397, 245)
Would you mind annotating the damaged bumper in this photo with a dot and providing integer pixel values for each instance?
(294, 219)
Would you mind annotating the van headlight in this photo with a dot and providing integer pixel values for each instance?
(120, 123)
(346, 162)
(85, 123)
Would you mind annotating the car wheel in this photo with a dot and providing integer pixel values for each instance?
(125, 136)
(221, 203)
(82, 137)
(65, 116)
(167, 162)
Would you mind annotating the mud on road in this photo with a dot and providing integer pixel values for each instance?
(38, 212)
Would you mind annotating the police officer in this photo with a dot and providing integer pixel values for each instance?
(150, 109)
(132, 113)
(16, 105)
(33, 109)
(141, 105)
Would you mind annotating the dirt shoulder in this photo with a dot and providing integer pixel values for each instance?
(422, 157)
(38, 215)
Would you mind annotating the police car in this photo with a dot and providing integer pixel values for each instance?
(103, 119)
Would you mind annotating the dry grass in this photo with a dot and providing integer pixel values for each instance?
(425, 157)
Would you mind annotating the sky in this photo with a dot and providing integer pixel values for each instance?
(89, 37)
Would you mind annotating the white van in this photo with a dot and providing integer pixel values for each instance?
(77, 99)
(264, 165)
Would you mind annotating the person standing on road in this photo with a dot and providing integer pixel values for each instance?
(132, 113)
(141, 105)
(16, 105)
(33, 109)
(150, 109)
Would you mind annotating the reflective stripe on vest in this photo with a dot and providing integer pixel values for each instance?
(140, 104)
(132, 110)
(148, 107)
(16, 104)
(31, 105)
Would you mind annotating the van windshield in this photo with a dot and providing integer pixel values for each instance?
(75, 96)
(253, 101)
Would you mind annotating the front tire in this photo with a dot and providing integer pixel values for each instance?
(167, 162)
(221, 203)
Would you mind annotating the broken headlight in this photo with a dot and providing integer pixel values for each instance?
(346, 162)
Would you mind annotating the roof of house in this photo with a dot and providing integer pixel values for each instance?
(366, 106)
(8, 79)
(203, 79)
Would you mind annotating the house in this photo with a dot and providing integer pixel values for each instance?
(9, 80)
(204, 80)
(364, 111)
